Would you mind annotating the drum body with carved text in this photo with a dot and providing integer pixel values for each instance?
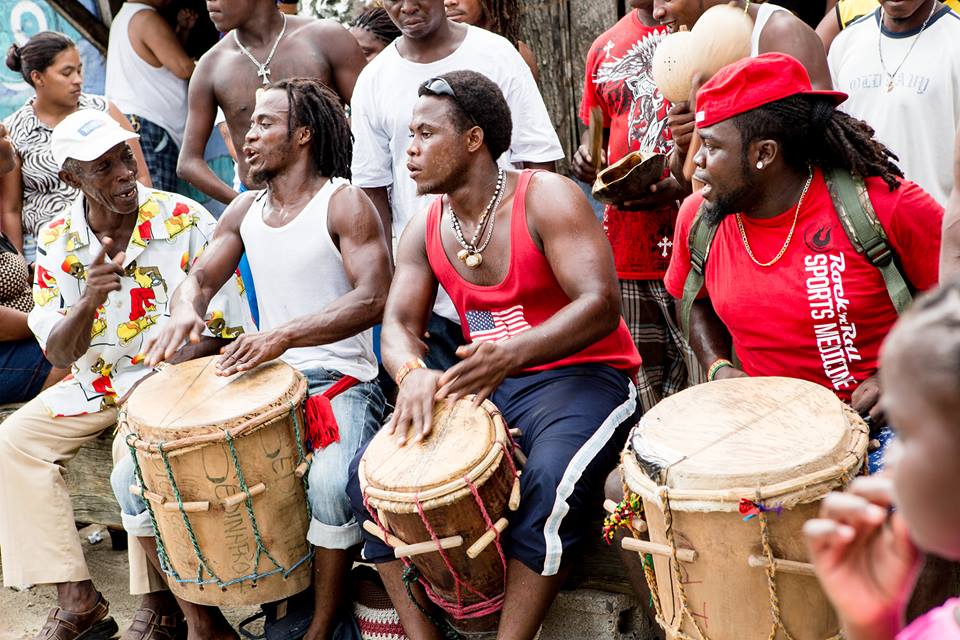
(440, 503)
(728, 472)
(223, 462)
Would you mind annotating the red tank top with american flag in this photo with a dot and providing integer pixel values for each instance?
(526, 298)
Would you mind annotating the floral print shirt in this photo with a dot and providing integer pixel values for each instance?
(171, 233)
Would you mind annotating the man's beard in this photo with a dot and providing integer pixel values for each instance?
(725, 205)
(729, 203)
(262, 176)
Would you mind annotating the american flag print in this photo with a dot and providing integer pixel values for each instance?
(496, 326)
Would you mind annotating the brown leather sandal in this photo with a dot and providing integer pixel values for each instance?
(150, 625)
(85, 625)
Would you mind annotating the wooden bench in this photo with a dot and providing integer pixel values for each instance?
(88, 479)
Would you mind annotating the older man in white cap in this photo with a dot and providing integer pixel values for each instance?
(104, 268)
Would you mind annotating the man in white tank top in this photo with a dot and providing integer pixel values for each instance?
(319, 258)
(775, 30)
(147, 74)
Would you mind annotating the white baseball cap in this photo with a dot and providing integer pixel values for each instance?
(86, 135)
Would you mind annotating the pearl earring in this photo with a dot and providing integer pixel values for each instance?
(759, 165)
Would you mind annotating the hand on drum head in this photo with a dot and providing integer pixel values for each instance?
(250, 350)
(184, 324)
(864, 558)
(483, 366)
(866, 401)
(414, 412)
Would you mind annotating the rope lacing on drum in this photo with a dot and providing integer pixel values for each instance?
(488, 605)
(202, 563)
(684, 609)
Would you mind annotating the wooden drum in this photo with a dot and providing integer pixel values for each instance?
(440, 503)
(222, 463)
(728, 472)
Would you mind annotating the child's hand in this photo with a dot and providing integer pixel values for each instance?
(864, 558)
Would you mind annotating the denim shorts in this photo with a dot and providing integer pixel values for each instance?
(359, 412)
(23, 370)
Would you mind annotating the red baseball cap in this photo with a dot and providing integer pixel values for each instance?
(753, 82)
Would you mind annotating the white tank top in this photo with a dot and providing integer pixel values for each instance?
(136, 87)
(764, 11)
(298, 271)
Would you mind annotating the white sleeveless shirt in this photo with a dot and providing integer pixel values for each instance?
(764, 11)
(138, 88)
(298, 271)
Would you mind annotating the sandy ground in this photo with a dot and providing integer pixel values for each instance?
(23, 613)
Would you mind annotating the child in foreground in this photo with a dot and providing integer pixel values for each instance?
(868, 556)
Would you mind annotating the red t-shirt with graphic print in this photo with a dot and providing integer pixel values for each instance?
(618, 81)
(821, 312)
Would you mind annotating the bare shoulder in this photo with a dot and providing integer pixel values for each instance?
(551, 196)
(322, 33)
(237, 210)
(351, 201)
(353, 213)
(785, 24)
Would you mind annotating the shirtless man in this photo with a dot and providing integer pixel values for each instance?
(226, 77)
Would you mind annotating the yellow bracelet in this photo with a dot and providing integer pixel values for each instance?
(407, 367)
(715, 368)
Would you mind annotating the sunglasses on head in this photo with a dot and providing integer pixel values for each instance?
(440, 87)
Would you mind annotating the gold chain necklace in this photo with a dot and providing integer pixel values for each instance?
(793, 227)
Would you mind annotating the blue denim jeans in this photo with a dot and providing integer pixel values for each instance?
(23, 370)
(359, 412)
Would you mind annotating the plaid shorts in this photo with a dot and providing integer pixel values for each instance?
(669, 364)
(160, 152)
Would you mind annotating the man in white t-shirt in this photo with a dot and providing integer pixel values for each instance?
(382, 107)
(900, 66)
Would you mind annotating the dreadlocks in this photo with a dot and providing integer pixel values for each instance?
(377, 21)
(316, 107)
(811, 130)
(504, 18)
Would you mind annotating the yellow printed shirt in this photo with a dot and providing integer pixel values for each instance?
(171, 233)
(850, 10)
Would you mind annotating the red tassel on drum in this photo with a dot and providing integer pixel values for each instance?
(322, 427)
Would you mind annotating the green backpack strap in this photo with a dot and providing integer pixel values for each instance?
(852, 202)
(699, 240)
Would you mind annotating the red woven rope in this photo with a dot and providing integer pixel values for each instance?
(458, 610)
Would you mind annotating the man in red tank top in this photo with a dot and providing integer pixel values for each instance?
(532, 276)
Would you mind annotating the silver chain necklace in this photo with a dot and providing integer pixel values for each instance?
(892, 76)
(263, 69)
(470, 254)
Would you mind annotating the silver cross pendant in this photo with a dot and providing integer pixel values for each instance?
(264, 72)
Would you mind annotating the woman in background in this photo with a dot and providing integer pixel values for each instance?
(33, 193)
(374, 30)
(500, 16)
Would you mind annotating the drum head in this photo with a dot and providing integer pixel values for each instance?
(462, 437)
(190, 399)
(744, 433)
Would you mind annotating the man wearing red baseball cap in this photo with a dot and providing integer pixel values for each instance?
(785, 286)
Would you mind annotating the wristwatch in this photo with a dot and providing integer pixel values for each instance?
(407, 367)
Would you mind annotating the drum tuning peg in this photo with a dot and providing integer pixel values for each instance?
(516, 433)
(514, 503)
(520, 457)
(484, 541)
(304, 466)
(429, 546)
